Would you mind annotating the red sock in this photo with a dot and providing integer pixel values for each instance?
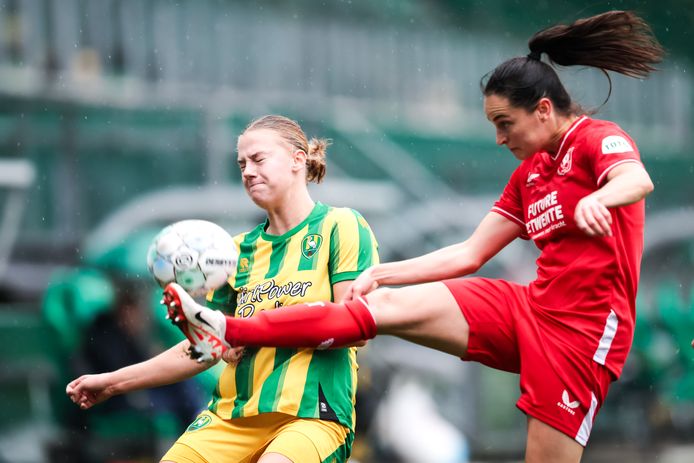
(323, 324)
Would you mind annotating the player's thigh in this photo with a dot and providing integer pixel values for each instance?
(274, 458)
(309, 441)
(548, 444)
(426, 314)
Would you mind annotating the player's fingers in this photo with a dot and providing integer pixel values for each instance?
(579, 218)
(72, 385)
(603, 219)
(602, 225)
(348, 294)
(586, 221)
(233, 355)
(356, 292)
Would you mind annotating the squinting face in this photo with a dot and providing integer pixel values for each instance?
(521, 131)
(267, 166)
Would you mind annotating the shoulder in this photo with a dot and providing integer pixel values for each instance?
(605, 137)
(250, 235)
(344, 215)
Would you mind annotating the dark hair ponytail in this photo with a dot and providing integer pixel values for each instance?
(616, 41)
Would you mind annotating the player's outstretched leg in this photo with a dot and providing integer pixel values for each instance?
(318, 325)
(204, 328)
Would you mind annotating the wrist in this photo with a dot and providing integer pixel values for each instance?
(380, 274)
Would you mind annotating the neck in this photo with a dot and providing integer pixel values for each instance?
(293, 210)
(561, 127)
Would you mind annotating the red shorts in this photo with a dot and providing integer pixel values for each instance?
(558, 386)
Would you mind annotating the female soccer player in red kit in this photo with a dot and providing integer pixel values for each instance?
(578, 193)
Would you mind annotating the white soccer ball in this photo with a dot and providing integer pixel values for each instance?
(197, 254)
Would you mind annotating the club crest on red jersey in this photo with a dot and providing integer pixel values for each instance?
(565, 165)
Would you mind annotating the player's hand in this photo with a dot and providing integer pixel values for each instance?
(233, 355)
(89, 390)
(364, 284)
(593, 218)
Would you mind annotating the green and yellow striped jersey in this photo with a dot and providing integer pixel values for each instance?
(331, 245)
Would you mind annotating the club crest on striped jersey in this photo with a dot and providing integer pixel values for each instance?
(565, 165)
(311, 244)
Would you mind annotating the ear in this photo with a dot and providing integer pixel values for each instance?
(544, 109)
(299, 158)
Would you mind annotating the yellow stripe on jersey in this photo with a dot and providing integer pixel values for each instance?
(294, 382)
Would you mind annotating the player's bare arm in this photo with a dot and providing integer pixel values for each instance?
(492, 234)
(626, 184)
(169, 367)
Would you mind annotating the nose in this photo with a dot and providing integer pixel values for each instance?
(248, 171)
(501, 139)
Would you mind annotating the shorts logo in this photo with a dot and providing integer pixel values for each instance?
(310, 245)
(200, 422)
(566, 403)
(565, 165)
(615, 144)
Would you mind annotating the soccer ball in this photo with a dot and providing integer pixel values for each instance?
(198, 255)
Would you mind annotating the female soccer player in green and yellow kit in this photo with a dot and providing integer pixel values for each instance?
(271, 405)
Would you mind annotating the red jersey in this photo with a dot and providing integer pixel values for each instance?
(585, 286)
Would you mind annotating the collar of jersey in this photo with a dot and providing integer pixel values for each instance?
(568, 133)
(318, 209)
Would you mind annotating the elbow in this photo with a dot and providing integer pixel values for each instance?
(648, 187)
(471, 265)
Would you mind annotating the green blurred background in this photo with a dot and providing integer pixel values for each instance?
(118, 117)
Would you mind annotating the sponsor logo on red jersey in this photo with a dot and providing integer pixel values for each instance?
(615, 144)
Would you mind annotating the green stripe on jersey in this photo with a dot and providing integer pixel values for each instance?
(330, 371)
(279, 251)
(334, 262)
(309, 400)
(244, 381)
(271, 391)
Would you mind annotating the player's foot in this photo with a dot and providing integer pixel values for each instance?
(203, 327)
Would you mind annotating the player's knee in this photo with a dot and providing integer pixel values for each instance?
(385, 304)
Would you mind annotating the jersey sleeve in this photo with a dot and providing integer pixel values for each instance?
(353, 247)
(610, 147)
(510, 203)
